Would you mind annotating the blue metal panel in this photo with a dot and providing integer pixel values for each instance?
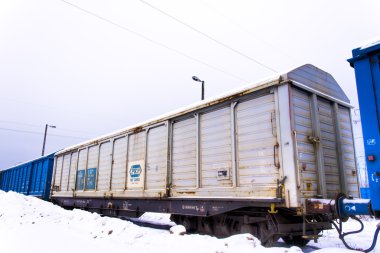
(16, 179)
(80, 180)
(367, 73)
(23, 171)
(365, 193)
(38, 186)
(91, 179)
(13, 179)
(32, 181)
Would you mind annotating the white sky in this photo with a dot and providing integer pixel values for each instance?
(62, 66)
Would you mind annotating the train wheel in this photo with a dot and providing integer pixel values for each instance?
(296, 240)
(266, 235)
(247, 228)
(190, 223)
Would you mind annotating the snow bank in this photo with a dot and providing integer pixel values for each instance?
(28, 224)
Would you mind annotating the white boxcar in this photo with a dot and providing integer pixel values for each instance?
(273, 143)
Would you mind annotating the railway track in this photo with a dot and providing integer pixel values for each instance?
(165, 226)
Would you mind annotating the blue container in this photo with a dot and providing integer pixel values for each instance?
(365, 193)
(366, 60)
(30, 178)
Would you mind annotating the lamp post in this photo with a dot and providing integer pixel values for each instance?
(43, 146)
(203, 85)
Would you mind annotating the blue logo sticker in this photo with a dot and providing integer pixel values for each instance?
(371, 142)
(135, 172)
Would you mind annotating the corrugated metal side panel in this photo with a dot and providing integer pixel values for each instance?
(215, 148)
(49, 163)
(58, 173)
(348, 151)
(39, 179)
(136, 150)
(328, 142)
(92, 163)
(22, 178)
(119, 164)
(14, 179)
(4, 180)
(183, 154)
(305, 149)
(65, 172)
(1, 180)
(33, 179)
(28, 174)
(25, 180)
(19, 178)
(73, 168)
(81, 167)
(156, 164)
(104, 167)
(44, 176)
(8, 180)
(256, 140)
(136, 153)
(93, 157)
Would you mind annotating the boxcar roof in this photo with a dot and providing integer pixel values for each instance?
(307, 77)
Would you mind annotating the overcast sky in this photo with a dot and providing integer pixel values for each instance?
(92, 67)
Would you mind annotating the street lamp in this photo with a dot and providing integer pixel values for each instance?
(43, 146)
(203, 86)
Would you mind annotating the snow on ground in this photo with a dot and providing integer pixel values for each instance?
(363, 240)
(28, 224)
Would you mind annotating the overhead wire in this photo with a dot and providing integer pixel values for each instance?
(40, 133)
(140, 35)
(210, 38)
(39, 126)
(236, 24)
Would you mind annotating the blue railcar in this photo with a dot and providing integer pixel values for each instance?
(30, 178)
(365, 193)
(366, 62)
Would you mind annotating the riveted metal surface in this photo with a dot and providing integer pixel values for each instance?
(305, 149)
(82, 162)
(65, 172)
(92, 166)
(73, 171)
(119, 164)
(183, 154)
(329, 146)
(58, 173)
(136, 154)
(156, 164)
(256, 139)
(348, 149)
(104, 170)
(215, 149)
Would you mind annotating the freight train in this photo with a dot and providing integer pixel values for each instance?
(262, 159)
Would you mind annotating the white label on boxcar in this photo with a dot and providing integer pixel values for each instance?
(136, 174)
(223, 174)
